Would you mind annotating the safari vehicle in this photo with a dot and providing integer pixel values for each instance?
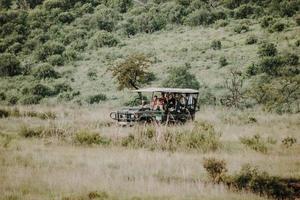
(166, 105)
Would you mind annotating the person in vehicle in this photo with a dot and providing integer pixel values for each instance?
(154, 102)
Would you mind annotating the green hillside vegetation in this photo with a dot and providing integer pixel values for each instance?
(239, 53)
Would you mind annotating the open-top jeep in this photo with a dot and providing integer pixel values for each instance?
(167, 105)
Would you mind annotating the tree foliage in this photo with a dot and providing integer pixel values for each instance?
(9, 65)
(133, 73)
(181, 77)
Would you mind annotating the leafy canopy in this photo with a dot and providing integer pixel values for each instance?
(133, 72)
(180, 77)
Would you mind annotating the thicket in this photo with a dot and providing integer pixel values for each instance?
(251, 179)
(275, 81)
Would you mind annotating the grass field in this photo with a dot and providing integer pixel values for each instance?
(53, 167)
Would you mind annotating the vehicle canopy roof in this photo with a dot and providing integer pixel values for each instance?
(169, 90)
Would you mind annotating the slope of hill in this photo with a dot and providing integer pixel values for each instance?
(61, 50)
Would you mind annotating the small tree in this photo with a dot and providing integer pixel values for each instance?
(133, 72)
(180, 77)
(234, 85)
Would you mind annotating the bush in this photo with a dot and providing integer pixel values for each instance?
(202, 137)
(243, 11)
(56, 60)
(271, 65)
(62, 87)
(27, 132)
(48, 49)
(3, 113)
(180, 77)
(65, 17)
(291, 59)
(297, 20)
(266, 21)
(297, 43)
(216, 44)
(223, 61)
(2, 96)
(256, 143)
(215, 168)
(278, 27)
(267, 49)
(288, 141)
(13, 100)
(104, 38)
(9, 65)
(45, 71)
(41, 90)
(88, 138)
(252, 39)
(250, 178)
(252, 70)
(31, 99)
(5, 4)
(241, 28)
(96, 98)
(104, 18)
(200, 17)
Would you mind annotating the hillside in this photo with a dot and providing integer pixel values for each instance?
(60, 51)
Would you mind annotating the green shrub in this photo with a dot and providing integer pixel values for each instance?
(291, 59)
(5, 4)
(252, 70)
(250, 178)
(51, 4)
(271, 65)
(256, 143)
(252, 39)
(62, 87)
(104, 18)
(297, 20)
(266, 21)
(65, 17)
(200, 17)
(45, 71)
(241, 28)
(3, 113)
(267, 49)
(48, 49)
(28, 132)
(88, 138)
(31, 99)
(278, 27)
(181, 77)
(96, 98)
(122, 5)
(128, 141)
(215, 168)
(243, 11)
(104, 38)
(56, 60)
(297, 43)
(2, 96)
(223, 61)
(69, 55)
(41, 90)
(202, 137)
(9, 65)
(288, 141)
(15, 48)
(216, 44)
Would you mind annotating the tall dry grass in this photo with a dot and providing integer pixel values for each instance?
(53, 167)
